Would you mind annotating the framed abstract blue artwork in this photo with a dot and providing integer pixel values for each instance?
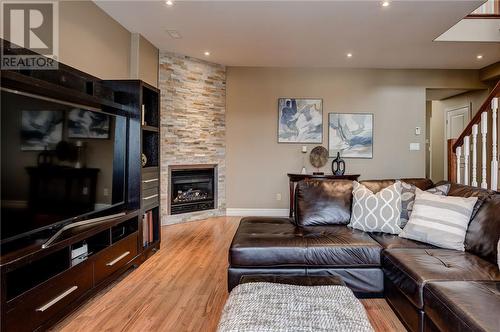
(300, 120)
(351, 134)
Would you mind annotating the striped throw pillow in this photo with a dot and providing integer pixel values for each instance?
(439, 220)
(408, 192)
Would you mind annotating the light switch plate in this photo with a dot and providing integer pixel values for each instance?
(418, 131)
(414, 146)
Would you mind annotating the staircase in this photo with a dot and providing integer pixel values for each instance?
(473, 157)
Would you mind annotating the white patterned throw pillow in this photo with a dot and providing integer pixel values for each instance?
(440, 220)
(378, 212)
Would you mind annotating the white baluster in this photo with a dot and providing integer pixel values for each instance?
(474, 155)
(494, 158)
(458, 152)
(466, 159)
(484, 131)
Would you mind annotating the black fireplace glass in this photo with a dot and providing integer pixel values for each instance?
(192, 190)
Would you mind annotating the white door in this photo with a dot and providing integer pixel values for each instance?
(456, 121)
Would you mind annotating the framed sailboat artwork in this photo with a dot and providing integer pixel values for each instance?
(351, 134)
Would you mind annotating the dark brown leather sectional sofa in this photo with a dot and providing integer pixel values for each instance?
(431, 289)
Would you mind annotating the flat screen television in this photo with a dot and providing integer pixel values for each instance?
(60, 163)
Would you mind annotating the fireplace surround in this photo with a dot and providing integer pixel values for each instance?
(192, 188)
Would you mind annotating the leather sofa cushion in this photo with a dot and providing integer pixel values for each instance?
(376, 185)
(463, 305)
(267, 242)
(484, 228)
(274, 242)
(323, 202)
(391, 241)
(411, 269)
(469, 191)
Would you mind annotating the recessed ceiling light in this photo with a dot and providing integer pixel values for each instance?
(169, 2)
(349, 55)
(207, 53)
(385, 4)
(174, 34)
(479, 56)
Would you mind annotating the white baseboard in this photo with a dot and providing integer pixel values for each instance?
(257, 212)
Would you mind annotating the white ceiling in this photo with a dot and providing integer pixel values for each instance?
(309, 33)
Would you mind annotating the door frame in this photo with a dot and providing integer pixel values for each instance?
(446, 111)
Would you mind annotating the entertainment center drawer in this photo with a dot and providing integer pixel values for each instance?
(154, 182)
(150, 173)
(35, 307)
(150, 196)
(115, 257)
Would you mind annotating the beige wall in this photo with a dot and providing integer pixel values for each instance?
(257, 164)
(91, 41)
(148, 62)
(491, 72)
(474, 99)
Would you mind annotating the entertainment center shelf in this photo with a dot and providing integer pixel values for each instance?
(150, 175)
(42, 284)
(39, 284)
(146, 98)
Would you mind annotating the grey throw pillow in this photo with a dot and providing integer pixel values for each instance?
(440, 220)
(408, 192)
(376, 212)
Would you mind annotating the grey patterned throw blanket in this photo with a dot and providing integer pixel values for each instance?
(266, 307)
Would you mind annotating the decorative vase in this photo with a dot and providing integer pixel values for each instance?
(338, 165)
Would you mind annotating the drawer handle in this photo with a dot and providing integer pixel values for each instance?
(57, 299)
(150, 180)
(149, 197)
(117, 259)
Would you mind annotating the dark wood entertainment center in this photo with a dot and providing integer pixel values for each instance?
(39, 286)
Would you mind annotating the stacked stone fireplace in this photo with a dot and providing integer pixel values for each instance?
(193, 138)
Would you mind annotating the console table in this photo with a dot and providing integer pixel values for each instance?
(294, 178)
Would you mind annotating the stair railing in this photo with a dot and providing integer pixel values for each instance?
(461, 152)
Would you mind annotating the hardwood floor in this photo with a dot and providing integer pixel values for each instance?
(182, 287)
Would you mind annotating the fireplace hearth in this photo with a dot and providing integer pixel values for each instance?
(192, 189)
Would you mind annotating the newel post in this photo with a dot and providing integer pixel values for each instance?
(452, 161)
